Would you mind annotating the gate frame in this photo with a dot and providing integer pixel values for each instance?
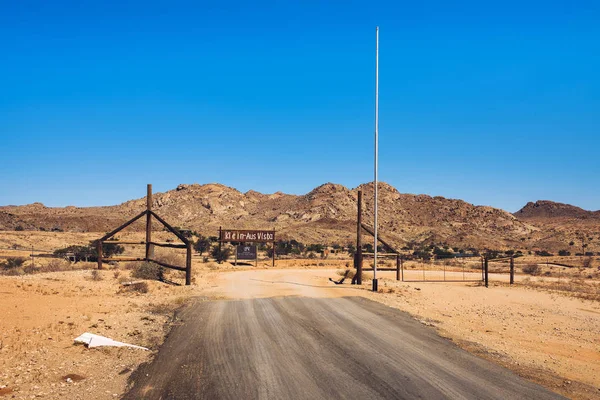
(358, 258)
(149, 244)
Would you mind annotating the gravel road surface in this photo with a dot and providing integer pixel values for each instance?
(316, 348)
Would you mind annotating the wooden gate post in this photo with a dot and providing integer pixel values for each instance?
(486, 271)
(512, 270)
(482, 269)
(149, 247)
(359, 257)
(99, 251)
(188, 264)
(402, 268)
(398, 267)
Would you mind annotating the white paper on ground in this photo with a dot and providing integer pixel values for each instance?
(92, 340)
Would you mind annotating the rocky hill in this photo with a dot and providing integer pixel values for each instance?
(327, 214)
(563, 223)
(545, 209)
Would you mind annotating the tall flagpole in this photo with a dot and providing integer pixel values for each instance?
(376, 156)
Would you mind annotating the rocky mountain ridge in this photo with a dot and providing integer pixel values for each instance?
(327, 214)
(551, 209)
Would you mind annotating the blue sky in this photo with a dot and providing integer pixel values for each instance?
(497, 104)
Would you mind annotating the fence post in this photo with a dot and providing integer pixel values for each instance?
(402, 268)
(149, 246)
(188, 264)
(512, 270)
(99, 251)
(486, 271)
(397, 267)
(482, 269)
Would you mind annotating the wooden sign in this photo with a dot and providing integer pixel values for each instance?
(246, 252)
(235, 235)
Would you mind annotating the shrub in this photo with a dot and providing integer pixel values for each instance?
(221, 254)
(55, 265)
(89, 252)
(19, 228)
(13, 263)
(202, 244)
(96, 275)
(140, 287)
(148, 270)
(29, 269)
(532, 269)
(564, 253)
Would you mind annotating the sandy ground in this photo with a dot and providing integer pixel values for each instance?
(43, 313)
(545, 336)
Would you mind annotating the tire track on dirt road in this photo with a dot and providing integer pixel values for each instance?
(316, 348)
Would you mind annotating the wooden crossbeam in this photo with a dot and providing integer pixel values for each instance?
(123, 242)
(370, 232)
(125, 225)
(170, 228)
(172, 245)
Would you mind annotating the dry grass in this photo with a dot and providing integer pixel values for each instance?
(16, 266)
(531, 269)
(134, 287)
(96, 275)
(576, 287)
(352, 272)
(148, 270)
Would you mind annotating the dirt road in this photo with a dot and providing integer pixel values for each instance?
(314, 346)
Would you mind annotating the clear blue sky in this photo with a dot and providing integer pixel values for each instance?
(497, 104)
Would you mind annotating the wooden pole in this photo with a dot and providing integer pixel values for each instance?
(512, 270)
(220, 238)
(125, 225)
(482, 269)
(402, 268)
(359, 255)
(397, 267)
(188, 265)
(486, 272)
(274, 254)
(149, 246)
(99, 251)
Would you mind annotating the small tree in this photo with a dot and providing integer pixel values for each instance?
(222, 254)
(202, 244)
(564, 253)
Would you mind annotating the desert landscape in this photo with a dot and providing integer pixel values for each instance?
(198, 200)
(544, 328)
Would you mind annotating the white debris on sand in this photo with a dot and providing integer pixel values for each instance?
(92, 340)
